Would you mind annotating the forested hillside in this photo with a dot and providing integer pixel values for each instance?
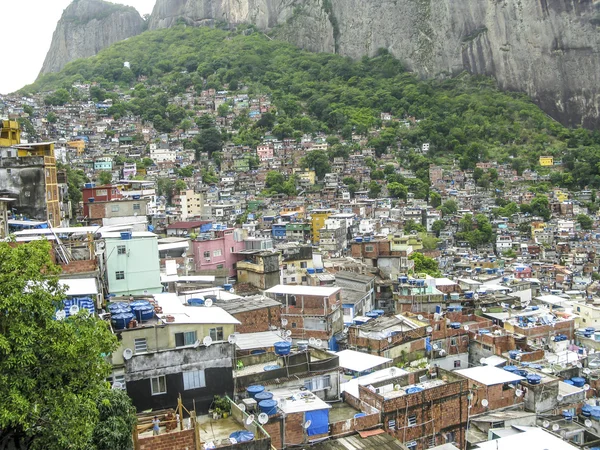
(465, 118)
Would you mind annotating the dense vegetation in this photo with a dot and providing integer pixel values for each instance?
(466, 119)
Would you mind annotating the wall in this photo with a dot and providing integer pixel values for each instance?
(350, 426)
(140, 264)
(259, 319)
(27, 184)
(175, 440)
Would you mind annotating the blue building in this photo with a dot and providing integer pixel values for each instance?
(278, 230)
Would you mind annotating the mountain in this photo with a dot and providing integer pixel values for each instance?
(546, 48)
(88, 26)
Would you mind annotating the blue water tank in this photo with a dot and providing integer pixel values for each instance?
(271, 367)
(264, 395)
(379, 312)
(269, 407)
(533, 378)
(513, 354)
(469, 294)
(320, 270)
(586, 410)
(358, 239)
(282, 348)
(195, 302)
(484, 331)
(570, 382)
(121, 320)
(118, 307)
(126, 235)
(302, 345)
(521, 373)
(455, 325)
(511, 369)
(255, 389)
(142, 309)
(372, 314)
(357, 415)
(567, 415)
(414, 389)
(227, 286)
(310, 270)
(578, 381)
(403, 280)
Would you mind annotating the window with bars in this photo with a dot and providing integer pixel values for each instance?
(120, 275)
(141, 345)
(392, 424)
(121, 250)
(412, 421)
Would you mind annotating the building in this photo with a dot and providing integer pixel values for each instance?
(130, 263)
(296, 260)
(189, 203)
(4, 207)
(181, 350)
(318, 218)
(256, 313)
(260, 268)
(28, 175)
(310, 311)
(546, 161)
(105, 193)
(118, 211)
(216, 250)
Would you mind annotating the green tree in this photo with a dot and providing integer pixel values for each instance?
(58, 97)
(410, 226)
(180, 185)
(274, 179)
(186, 171)
(51, 117)
(424, 264)
(318, 161)
(449, 207)
(223, 110)
(397, 190)
(510, 253)
(116, 419)
(540, 206)
(51, 371)
(585, 221)
(165, 187)
(209, 140)
(104, 177)
(435, 199)
(374, 189)
(438, 226)
(147, 162)
(429, 242)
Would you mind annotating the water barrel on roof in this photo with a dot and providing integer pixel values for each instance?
(414, 389)
(264, 395)
(310, 270)
(269, 407)
(255, 389)
(121, 320)
(142, 309)
(282, 348)
(578, 381)
(196, 301)
(379, 312)
(372, 315)
(118, 307)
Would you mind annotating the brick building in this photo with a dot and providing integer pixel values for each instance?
(256, 313)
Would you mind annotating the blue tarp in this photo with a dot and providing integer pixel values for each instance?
(319, 422)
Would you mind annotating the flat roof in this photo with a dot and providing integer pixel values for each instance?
(351, 387)
(380, 441)
(113, 235)
(531, 438)
(172, 306)
(76, 287)
(321, 291)
(262, 339)
(295, 400)
(359, 361)
(243, 304)
(173, 246)
(489, 375)
(164, 278)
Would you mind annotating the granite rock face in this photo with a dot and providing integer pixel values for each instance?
(549, 49)
(88, 26)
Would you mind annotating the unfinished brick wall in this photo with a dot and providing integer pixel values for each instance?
(259, 319)
(86, 265)
(180, 440)
(350, 426)
(274, 427)
(497, 397)
(295, 434)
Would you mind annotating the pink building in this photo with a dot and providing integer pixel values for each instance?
(264, 152)
(218, 249)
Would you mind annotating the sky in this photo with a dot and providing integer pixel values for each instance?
(27, 26)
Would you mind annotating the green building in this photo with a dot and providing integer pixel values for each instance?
(131, 263)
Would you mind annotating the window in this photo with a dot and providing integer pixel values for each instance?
(412, 421)
(294, 325)
(449, 436)
(391, 424)
(120, 275)
(303, 265)
(216, 334)
(369, 248)
(140, 345)
(293, 280)
(121, 250)
(432, 441)
(231, 250)
(217, 252)
(194, 379)
(453, 341)
(412, 445)
(578, 309)
(304, 279)
(101, 192)
(219, 266)
(114, 208)
(158, 385)
(183, 339)
(136, 207)
(315, 323)
(457, 363)
(207, 255)
(9, 171)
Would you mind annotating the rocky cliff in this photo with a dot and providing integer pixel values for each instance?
(549, 49)
(88, 26)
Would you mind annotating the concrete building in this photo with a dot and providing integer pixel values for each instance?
(216, 251)
(189, 203)
(159, 359)
(318, 218)
(130, 263)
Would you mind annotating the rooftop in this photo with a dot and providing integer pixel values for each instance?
(317, 291)
(244, 304)
(296, 400)
(351, 387)
(489, 375)
(263, 339)
(381, 441)
(359, 361)
(172, 306)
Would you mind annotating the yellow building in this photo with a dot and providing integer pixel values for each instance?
(318, 218)
(537, 227)
(305, 176)
(561, 196)
(77, 145)
(546, 161)
(10, 133)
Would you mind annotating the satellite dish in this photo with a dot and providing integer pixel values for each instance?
(127, 353)
(207, 341)
(466, 327)
(232, 440)
(482, 360)
(397, 387)
(587, 371)
(307, 424)
(442, 352)
(436, 347)
(579, 365)
(117, 385)
(318, 342)
(586, 387)
(476, 297)
(420, 317)
(484, 403)
(232, 338)
(546, 424)
(288, 333)
(284, 322)
(73, 310)
(263, 418)
(288, 339)
(588, 423)
(250, 419)
(208, 302)
(61, 314)
(389, 339)
(429, 329)
(393, 371)
(483, 309)
(312, 341)
(518, 392)
(555, 427)
(559, 398)
(232, 291)
(197, 343)
(242, 407)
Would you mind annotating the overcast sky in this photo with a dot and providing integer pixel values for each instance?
(27, 27)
